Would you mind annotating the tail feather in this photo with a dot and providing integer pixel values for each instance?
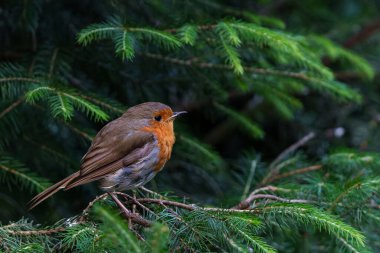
(51, 190)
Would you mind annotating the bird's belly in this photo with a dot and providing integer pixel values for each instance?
(133, 176)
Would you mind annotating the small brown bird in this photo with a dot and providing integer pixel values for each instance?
(126, 153)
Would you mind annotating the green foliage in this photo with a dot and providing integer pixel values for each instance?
(188, 34)
(257, 244)
(81, 238)
(13, 172)
(115, 231)
(100, 31)
(62, 102)
(251, 86)
(125, 37)
(158, 236)
(307, 215)
(326, 48)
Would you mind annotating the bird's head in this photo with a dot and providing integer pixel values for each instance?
(153, 114)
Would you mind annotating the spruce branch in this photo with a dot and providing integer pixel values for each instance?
(62, 102)
(307, 214)
(34, 232)
(258, 244)
(188, 34)
(12, 169)
(334, 87)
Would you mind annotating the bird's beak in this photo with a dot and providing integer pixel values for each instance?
(175, 114)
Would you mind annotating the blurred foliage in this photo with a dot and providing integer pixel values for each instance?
(255, 77)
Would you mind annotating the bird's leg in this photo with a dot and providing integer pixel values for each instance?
(122, 207)
(135, 217)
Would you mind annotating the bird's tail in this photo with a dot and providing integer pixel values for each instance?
(51, 190)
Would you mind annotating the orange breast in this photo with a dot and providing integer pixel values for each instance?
(165, 138)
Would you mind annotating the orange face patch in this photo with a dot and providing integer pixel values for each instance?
(163, 130)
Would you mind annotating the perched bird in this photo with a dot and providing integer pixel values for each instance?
(126, 153)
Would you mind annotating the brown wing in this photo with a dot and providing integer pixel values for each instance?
(111, 153)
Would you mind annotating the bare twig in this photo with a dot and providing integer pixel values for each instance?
(274, 197)
(294, 172)
(90, 205)
(366, 32)
(292, 148)
(167, 202)
(247, 202)
(273, 170)
(11, 107)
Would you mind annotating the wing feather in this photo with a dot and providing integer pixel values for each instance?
(113, 149)
(108, 154)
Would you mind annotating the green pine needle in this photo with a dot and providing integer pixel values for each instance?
(12, 170)
(304, 214)
(115, 228)
(188, 34)
(63, 101)
(232, 57)
(124, 45)
(228, 33)
(163, 39)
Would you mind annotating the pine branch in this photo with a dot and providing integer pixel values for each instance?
(188, 34)
(34, 232)
(334, 87)
(62, 102)
(306, 214)
(11, 169)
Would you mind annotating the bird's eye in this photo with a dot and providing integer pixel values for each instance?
(158, 118)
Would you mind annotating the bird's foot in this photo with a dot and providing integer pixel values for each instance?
(134, 217)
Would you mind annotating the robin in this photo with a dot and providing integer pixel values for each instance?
(126, 153)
